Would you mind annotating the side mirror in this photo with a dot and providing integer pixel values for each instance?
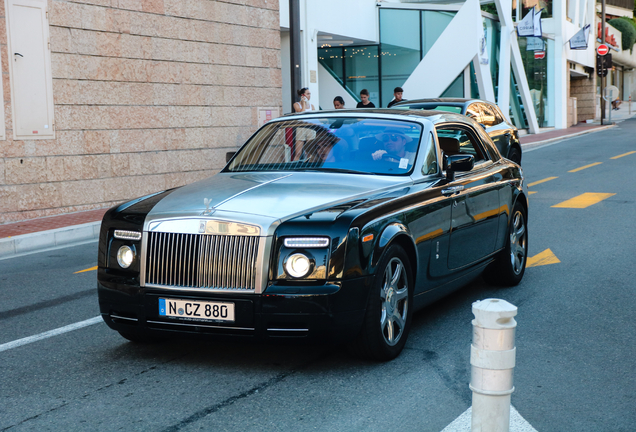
(458, 162)
(229, 156)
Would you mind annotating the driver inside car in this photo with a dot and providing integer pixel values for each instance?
(394, 143)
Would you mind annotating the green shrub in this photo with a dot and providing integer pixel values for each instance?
(627, 29)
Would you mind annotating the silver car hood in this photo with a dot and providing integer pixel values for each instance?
(267, 199)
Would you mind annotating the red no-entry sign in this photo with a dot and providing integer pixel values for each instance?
(602, 49)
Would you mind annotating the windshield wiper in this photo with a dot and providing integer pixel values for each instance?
(339, 170)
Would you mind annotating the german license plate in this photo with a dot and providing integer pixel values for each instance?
(196, 310)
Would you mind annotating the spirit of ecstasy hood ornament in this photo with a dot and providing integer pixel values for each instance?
(208, 210)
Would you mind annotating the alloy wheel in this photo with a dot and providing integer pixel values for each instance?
(394, 295)
(518, 243)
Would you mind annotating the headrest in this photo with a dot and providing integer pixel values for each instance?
(449, 146)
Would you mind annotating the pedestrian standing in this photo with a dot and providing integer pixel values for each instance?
(338, 102)
(397, 96)
(365, 103)
(304, 104)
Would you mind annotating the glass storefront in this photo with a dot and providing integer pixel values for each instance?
(536, 67)
(400, 48)
(406, 35)
(355, 67)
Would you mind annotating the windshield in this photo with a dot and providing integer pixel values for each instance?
(353, 145)
(431, 106)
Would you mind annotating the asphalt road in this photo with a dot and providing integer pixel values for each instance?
(576, 344)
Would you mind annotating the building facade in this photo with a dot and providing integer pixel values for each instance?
(463, 49)
(109, 100)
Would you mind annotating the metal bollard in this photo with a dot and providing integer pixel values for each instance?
(492, 360)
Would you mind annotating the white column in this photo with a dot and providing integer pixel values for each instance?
(560, 71)
(504, 9)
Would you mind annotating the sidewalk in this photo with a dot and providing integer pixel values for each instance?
(57, 231)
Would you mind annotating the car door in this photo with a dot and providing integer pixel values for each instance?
(429, 217)
(475, 207)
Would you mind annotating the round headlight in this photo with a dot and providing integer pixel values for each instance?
(298, 265)
(125, 256)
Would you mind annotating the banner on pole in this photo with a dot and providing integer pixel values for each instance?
(525, 27)
(538, 31)
(579, 40)
(530, 25)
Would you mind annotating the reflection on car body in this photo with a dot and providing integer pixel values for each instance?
(334, 225)
(503, 133)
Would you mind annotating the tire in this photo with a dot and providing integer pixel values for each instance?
(389, 308)
(510, 265)
(514, 154)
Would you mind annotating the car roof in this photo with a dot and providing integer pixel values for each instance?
(447, 101)
(434, 116)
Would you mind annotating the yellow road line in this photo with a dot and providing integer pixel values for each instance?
(586, 166)
(541, 181)
(584, 200)
(624, 154)
(532, 192)
(86, 270)
(544, 258)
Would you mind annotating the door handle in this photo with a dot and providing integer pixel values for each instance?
(18, 54)
(452, 190)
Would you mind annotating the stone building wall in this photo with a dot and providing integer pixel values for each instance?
(148, 95)
(584, 90)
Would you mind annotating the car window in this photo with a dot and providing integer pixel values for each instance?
(430, 156)
(474, 112)
(455, 140)
(339, 144)
(498, 115)
(488, 116)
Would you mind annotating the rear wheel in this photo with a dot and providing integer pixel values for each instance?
(389, 308)
(510, 265)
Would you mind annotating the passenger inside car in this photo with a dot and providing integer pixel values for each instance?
(394, 148)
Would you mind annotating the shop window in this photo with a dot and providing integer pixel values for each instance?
(400, 50)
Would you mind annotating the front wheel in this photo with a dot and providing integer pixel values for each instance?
(510, 265)
(389, 308)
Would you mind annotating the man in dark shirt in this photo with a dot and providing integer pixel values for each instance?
(366, 103)
(397, 93)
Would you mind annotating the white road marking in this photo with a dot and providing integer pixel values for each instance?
(50, 333)
(463, 422)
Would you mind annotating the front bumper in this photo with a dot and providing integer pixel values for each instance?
(332, 311)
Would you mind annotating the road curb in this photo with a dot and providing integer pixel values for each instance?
(38, 241)
(555, 139)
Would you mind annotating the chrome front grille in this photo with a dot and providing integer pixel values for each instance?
(224, 262)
